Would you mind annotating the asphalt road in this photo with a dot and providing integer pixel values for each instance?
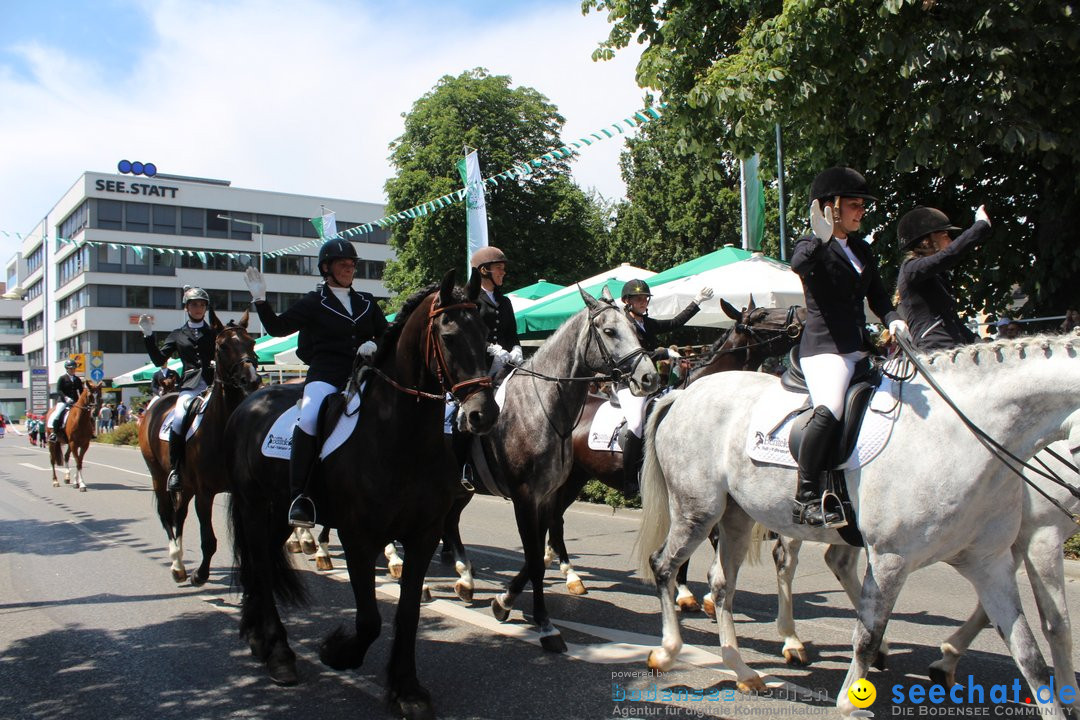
(93, 627)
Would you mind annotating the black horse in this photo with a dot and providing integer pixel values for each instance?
(391, 480)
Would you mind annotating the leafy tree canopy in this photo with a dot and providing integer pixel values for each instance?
(546, 225)
(940, 102)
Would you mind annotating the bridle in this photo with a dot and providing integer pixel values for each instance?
(760, 337)
(235, 378)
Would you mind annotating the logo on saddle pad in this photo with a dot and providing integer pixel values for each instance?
(777, 410)
(278, 442)
(167, 421)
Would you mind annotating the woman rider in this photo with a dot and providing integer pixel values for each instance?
(68, 388)
(926, 296)
(193, 342)
(636, 296)
(838, 272)
(335, 324)
(496, 309)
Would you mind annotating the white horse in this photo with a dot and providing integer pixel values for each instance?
(933, 495)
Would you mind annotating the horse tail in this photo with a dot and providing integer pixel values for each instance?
(758, 535)
(655, 514)
(263, 566)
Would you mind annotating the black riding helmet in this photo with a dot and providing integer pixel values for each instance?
(839, 182)
(635, 287)
(918, 223)
(335, 249)
(70, 364)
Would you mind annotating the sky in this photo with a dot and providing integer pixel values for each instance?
(274, 95)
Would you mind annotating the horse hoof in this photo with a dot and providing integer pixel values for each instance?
(553, 643)
(796, 656)
(323, 562)
(879, 661)
(576, 587)
(56, 483)
(395, 570)
(199, 579)
(709, 607)
(501, 614)
(944, 678)
(688, 604)
(425, 594)
(751, 685)
(284, 673)
(308, 546)
(82, 488)
(418, 708)
(292, 545)
(179, 576)
(656, 664)
(463, 591)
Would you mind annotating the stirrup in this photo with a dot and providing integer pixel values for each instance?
(466, 478)
(830, 502)
(302, 512)
(174, 484)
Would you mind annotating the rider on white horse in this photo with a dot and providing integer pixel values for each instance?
(336, 324)
(925, 294)
(838, 272)
(497, 310)
(68, 387)
(636, 296)
(194, 343)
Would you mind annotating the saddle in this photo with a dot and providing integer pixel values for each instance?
(857, 398)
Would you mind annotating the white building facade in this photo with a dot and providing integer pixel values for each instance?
(118, 246)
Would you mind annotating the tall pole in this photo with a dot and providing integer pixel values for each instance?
(783, 205)
(259, 227)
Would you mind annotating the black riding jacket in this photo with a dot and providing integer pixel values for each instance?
(834, 291)
(649, 327)
(329, 336)
(159, 378)
(499, 316)
(926, 296)
(69, 387)
(195, 348)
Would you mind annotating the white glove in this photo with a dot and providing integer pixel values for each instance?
(366, 351)
(516, 355)
(899, 328)
(703, 294)
(256, 284)
(673, 354)
(501, 357)
(146, 324)
(980, 214)
(495, 349)
(821, 221)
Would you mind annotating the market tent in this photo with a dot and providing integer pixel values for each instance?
(266, 348)
(724, 256)
(142, 375)
(549, 313)
(531, 294)
(771, 282)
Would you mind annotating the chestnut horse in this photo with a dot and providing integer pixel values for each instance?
(203, 471)
(78, 431)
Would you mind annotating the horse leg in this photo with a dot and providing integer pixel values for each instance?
(454, 549)
(293, 543)
(733, 539)
(406, 696)
(557, 542)
(67, 464)
(995, 581)
(307, 542)
(843, 560)
(707, 605)
(341, 650)
(176, 544)
(786, 559)
(204, 510)
(885, 576)
(394, 563)
(54, 460)
(943, 672)
(1046, 571)
(322, 555)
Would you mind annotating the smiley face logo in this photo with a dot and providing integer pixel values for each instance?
(862, 693)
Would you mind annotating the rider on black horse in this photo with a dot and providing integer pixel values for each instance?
(68, 387)
(335, 324)
(496, 309)
(194, 343)
(636, 296)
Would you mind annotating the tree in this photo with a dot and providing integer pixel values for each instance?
(547, 226)
(950, 104)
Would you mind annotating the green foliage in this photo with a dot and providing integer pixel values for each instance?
(940, 103)
(597, 492)
(546, 225)
(126, 434)
(1072, 547)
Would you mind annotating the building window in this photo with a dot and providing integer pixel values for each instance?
(109, 259)
(34, 259)
(270, 223)
(34, 290)
(167, 298)
(239, 300)
(74, 344)
(164, 219)
(243, 261)
(192, 262)
(133, 342)
(136, 296)
(191, 221)
(219, 299)
(110, 215)
(292, 226)
(110, 341)
(73, 265)
(215, 226)
(373, 269)
(163, 263)
(138, 217)
(135, 264)
(110, 296)
(74, 223)
(240, 231)
(34, 324)
(78, 299)
(35, 358)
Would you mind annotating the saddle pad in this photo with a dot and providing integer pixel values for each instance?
(166, 424)
(604, 431)
(278, 442)
(451, 408)
(52, 416)
(768, 446)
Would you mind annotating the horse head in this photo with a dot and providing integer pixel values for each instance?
(763, 332)
(613, 346)
(234, 356)
(90, 398)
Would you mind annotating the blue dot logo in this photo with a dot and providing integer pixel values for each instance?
(124, 166)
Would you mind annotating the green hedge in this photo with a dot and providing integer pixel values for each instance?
(126, 434)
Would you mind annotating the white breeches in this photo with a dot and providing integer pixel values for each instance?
(182, 402)
(633, 408)
(314, 394)
(827, 378)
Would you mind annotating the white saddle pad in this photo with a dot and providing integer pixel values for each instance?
(278, 442)
(166, 424)
(52, 416)
(765, 445)
(604, 431)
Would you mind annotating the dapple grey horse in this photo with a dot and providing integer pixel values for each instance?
(919, 501)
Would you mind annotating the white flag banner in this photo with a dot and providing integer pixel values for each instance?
(326, 225)
(475, 206)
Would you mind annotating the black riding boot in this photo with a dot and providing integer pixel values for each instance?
(631, 457)
(816, 444)
(176, 456)
(57, 426)
(302, 509)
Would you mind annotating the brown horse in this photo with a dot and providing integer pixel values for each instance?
(203, 471)
(78, 431)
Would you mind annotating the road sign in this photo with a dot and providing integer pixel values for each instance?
(97, 374)
(97, 359)
(80, 362)
(39, 390)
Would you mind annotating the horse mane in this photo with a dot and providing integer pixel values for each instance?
(999, 350)
(389, 340)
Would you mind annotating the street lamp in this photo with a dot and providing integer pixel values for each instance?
(258, 226)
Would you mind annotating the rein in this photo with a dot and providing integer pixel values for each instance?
(994, 447)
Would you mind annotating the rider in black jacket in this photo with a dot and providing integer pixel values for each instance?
(68, 388)
(496, 309)
(336, 323)
(838, 271)
(194, 343)
(157, 382)
(926, 295)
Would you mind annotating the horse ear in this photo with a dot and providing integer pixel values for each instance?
(606, 294)
(730, 310)
(590, 302)
(244, 319)
(751, 306)
(473, 290)
(446, 290)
